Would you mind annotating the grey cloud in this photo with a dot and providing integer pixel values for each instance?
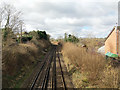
(71, 17)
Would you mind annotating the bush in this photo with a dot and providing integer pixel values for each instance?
(90, 63)
(42, 35)
(39, 35)
(97, 70)
(25, 39)
(71, 38)
(29, 38)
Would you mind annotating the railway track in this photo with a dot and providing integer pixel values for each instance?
(50, 74)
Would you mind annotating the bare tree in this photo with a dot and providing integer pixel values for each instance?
(21, 29)
(90, 35)
(1, 16)
(10, 18)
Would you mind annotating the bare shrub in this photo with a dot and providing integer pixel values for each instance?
(16, 56)
(98, 71)
(92, 63)
(110, 77)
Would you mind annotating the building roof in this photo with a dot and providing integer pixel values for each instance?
(118, 28)
(110, 33)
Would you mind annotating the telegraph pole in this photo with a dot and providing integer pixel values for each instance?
(21, 29)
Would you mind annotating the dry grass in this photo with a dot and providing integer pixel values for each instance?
(20, 58)
(41, 43)
(14, 57)
(17, 55)
(84, 60)
(93, 43)
(16, 60)
(90, 65)
(110, 78)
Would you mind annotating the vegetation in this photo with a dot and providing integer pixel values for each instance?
(26, 38)
(10, 22)
(92, 43)
(70, 38)
(21, 50)
(20, 56)
(39, 35)
(19, 59)
(89, 69)
(33, 34)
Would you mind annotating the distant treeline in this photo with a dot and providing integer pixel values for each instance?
(35, 34)
(39, 34)
(25, 35)
(70, 38)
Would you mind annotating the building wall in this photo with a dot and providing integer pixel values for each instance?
(118, 42)
(118, 30)
(110, 43)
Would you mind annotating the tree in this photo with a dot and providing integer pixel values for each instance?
(11, 16)
(9, 19)
(21, 30)
(71, 38)
(42, 35)
(39, 35)
(1, 14)
(65, 38)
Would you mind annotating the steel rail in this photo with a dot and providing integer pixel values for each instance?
(63, 79)
(46, 77)
(54, 82)
(36, 77)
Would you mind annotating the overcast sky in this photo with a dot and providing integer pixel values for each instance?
(79, 17)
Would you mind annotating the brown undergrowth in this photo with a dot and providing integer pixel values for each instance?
(89, 69)
(18, 59)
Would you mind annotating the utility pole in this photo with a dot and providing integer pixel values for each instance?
(21, 29)
(0, 22)
(0, 33)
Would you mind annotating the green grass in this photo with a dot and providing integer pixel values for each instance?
(16, 81)
(19, 82)
(27, 74)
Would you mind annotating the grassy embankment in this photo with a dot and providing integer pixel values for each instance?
(19, 60)
(89, 69)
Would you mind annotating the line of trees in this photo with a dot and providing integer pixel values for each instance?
(39, 35)
(13, 26)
